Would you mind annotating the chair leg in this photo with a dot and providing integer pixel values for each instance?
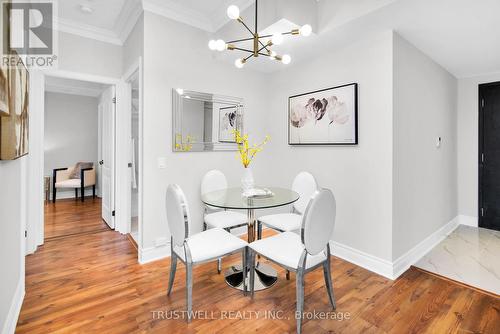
(93, 191)
(76, 193)
(259, 230)
(300, 298)
(82, 193)
(329, 283)
(251, 267)
(189, 290)
(173, 268)
(245, 270)
(219, 265)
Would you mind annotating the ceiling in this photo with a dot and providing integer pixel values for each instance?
(460, 35)
(110, 20)
(104, 16)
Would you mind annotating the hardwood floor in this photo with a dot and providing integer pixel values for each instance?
(92, 283)
(71, 217)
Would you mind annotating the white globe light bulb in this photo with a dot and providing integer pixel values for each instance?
(233, 12)
(220, 45)
(306, 30)
(212, 45)
(239, 63)
(277, 39)
(180, 91)
(286, 59)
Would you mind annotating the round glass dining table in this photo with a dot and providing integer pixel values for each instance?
(232, 199)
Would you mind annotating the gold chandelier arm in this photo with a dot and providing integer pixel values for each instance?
(241, 40)
(240, 20)
(232, 47)
(265, 47)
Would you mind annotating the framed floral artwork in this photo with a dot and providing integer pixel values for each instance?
(324, 117)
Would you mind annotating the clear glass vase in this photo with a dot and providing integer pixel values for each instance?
(247, 181)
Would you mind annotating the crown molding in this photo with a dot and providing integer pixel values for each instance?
(88, 31)
(128, 18)
(177, 12)
(132, 10)
(124, 25)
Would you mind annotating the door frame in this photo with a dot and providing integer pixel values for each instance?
(35, 230)
(136, 69)
(480, 149)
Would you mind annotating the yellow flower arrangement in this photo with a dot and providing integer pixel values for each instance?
(184, 145)
(247, 152)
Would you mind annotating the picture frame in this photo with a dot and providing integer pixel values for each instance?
(324, 117)
(228, 122)
(14, 126)
(4, 91)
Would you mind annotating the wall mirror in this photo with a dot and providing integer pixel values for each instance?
(205, 122)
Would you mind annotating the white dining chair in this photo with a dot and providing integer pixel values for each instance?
(198, 248)
(305, 185)
(305, 252)
(215, 217)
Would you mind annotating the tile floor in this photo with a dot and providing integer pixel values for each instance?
(469, 255)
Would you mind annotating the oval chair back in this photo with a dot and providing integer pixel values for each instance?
(212, 181)
(319, 221)
(305, 185)
(177, 214)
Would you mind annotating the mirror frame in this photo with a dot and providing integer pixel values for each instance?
(177, 107)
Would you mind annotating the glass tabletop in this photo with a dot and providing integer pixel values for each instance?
(232, 198)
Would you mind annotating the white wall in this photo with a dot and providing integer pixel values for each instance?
(12, 225)
(13, 213)
(133, 48)
(71, 132)
(84, 55)
(425, 177)
(175, 55)
(360, 176)
(468, 133)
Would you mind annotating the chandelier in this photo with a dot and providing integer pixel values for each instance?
(261, 44)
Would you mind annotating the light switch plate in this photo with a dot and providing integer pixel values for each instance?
(162, 163)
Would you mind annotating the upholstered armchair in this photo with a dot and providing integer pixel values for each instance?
(65, 178)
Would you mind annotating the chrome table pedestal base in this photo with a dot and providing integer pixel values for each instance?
(265, 277)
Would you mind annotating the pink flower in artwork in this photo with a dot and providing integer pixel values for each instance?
(317, 109)
(337, 111)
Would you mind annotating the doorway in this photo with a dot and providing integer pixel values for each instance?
(78, 157)
(134, 159)
(489, 156)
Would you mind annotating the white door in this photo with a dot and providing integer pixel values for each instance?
(107, 108)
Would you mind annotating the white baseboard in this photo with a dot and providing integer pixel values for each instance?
(468, 220)
(151, 254)
(393, 270)
(416, 253)
(10, 324)
(65, 194)
(362, 259)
